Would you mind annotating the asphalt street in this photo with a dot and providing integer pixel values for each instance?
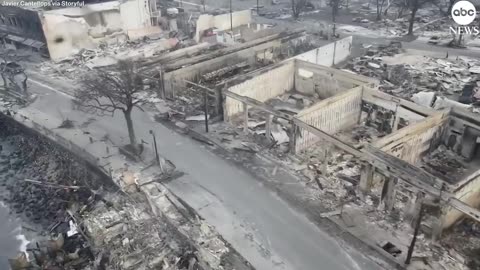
(260, 225)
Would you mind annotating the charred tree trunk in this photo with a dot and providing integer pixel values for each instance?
(379, 16)
(335, 4)
(24, 85)
(5, 83)
(450, 6)
(131, 132)
(295, 12)
(412, 19)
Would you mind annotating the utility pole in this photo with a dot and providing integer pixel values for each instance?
(231, 18)
(257, 8)
(205, 100)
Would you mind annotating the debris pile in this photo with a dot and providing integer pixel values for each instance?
(429, 25)
(49, 190)
(404, 75)
(127, 236)
(106, 55)
(444, 163)
(88, 223)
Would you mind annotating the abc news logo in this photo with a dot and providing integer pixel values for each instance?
(464, 13)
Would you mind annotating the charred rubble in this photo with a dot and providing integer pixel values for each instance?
(79, 218)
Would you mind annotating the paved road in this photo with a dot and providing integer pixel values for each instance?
(261, 226)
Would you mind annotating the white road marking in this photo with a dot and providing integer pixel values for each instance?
(51, 88)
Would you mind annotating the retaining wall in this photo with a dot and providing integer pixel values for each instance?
(37, 129)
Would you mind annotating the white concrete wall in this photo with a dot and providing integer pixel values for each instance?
(112, 19)
(324, 55)
(65, 36)
(222, 22)
(331, 116)
(135, 16)
(261, 87)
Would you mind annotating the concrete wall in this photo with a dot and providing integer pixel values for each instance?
(136, 19)
(262, 87)
(469, 193)
(66, 36)
(222, 22)
(326, 82)
(330, 115)
(330, 54)
(174, 79)
(412, 142)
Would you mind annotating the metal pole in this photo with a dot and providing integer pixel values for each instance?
(205, 100)
(415, 233)
(156, 149)
(257, 8)
(231, 18)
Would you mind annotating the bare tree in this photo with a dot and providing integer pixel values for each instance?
(297, 7)
(107, 91)
(335, 4)
(380, 4)
(414, 6)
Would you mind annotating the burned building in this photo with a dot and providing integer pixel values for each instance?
(67, 29)
(20, 27)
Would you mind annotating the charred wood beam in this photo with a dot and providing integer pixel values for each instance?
(405, 109)
(194, 60)
(418, 178)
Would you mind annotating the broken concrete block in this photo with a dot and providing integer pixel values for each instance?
(254, 124)
(424, 98)
(475, 70)
(279, 135)
(181, 125)
(200, 117)
(307, 102)
(373, 65)
(443, 103)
